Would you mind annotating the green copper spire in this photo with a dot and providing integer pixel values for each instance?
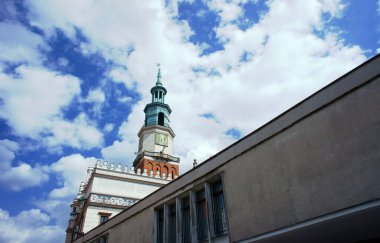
(157, 112)
(158, 83)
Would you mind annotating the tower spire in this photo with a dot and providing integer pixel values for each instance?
(158, 83)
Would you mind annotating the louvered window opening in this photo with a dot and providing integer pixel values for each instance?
(202, 216)
(172, 224)
(175, 223)
(186, 237)
(220, 220)
(160, 226)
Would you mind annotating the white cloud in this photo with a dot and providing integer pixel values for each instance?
(63, 62)
(28, 226)
(79, 133)
(121, 75)
(334, 7)
(97, 98)
(227, 10)
(33, 103)
(18, 44)
(34, 98)
(8, 149)
(288, 63)
(125, 99)
(109, 127)
(21, 176)
(70, 171)
(122, 152)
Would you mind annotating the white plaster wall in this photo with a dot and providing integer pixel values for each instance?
(92, 217)
(89, 189)
(122, 188)
(149, 142)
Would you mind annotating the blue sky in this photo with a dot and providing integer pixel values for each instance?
(75, 77)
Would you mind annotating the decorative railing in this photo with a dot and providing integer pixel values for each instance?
(131, 170)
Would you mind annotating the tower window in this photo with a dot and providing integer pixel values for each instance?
(161, 119)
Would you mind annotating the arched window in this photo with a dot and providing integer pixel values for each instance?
(161, 119)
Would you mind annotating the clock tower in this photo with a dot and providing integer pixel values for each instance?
(155, 152)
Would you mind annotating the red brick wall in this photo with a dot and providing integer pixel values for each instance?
(152, 166)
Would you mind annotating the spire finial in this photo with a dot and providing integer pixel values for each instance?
(159, 75)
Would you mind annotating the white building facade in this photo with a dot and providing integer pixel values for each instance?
(108, 191)
(110, 188)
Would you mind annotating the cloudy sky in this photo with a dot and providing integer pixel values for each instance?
(76, 75)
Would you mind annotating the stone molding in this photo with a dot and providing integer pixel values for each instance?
(111, 200)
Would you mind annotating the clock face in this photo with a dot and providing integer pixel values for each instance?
(162, 139)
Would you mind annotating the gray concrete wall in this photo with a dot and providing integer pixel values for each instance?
(326, 162)
(138, 228)
(321, 156)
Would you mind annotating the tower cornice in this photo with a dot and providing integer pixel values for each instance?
(158, 104)
(156, 127)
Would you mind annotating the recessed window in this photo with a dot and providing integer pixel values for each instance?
(160, 226)
(104, 217)
(101, 239)
(186, 238)
(161, 117)
(172, 224)
(220, 220)
(202, 216)
(201, 211)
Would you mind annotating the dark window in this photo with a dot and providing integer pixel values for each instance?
(156, 94)
(161, 119)
(101, 239)
(202, 216)
(160, 95)
(103, 218)
(186, 220)
(220, 220)
(160, 226)
(172, 224)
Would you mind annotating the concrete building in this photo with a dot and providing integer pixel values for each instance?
(312, 174)
(109, 189)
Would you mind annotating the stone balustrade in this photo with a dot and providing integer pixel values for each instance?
(104, 165)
